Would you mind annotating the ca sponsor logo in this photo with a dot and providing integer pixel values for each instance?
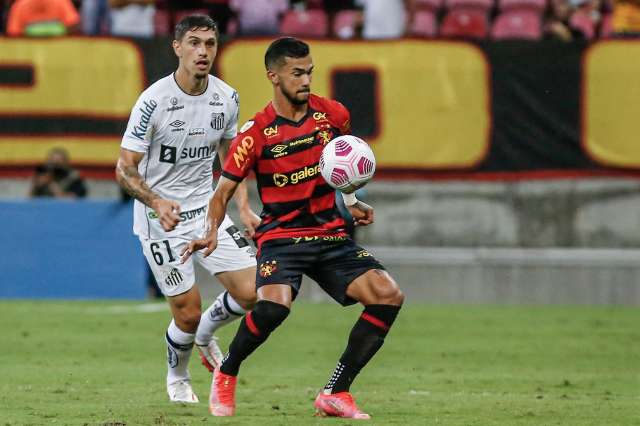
(140, 130)
(320, 116)
(168, 154)
(270, 131)
(241, 154)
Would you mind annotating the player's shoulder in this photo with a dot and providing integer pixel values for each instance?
(223, 88)
(159, 87)
(334, 110)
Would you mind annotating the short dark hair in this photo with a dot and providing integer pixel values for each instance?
(285, 47)
(192, 22)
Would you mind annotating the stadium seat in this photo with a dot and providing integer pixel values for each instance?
(531, 5)
(305, 23)
(465, 23)
(518, 24)
(344, 23)
(483, 5)
(424, 24)
(582, 22)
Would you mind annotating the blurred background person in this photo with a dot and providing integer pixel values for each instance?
(132, 18)
(56, 178)
(42, 18)
(384, 19)
(556, 25)
(258, 17)
(95, 17)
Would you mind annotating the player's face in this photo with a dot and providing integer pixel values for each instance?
(293, 79)
(197, 51)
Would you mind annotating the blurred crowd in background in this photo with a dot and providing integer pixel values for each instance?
(564, 20)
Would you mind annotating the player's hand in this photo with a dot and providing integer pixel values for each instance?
(250, 220)
(362, 213)
(208, 243)
(168, 213)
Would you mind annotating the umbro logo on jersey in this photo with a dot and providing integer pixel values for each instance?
(168, 154)
(217, 120)
(177, 123)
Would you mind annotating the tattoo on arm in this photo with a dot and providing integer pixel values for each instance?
(131, 181)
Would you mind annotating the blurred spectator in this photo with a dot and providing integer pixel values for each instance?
(626, 18)
(556, 24)
(132, 18)
(587, 17)
(56, 178)
(95, 17)
(384, 18)
(258, 17)
(42, 18)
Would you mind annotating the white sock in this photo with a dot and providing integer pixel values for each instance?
(179, 345)
(222, 311)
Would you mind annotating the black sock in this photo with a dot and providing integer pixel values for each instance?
(255, 328)
(367, 336)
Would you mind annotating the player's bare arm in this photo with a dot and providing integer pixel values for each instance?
(132, 182)
(217, 209)
(248, 217)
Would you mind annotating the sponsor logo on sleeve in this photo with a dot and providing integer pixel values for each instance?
(140, 130)
(242, 151)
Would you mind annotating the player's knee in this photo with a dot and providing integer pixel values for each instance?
(387, 292)
(269, 315)
(246, 299)
(188, 320)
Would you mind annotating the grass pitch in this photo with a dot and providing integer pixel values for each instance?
(100, 363)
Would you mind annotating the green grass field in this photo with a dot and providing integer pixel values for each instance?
(104, 363)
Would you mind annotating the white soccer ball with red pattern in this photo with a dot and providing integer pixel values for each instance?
(347, 163)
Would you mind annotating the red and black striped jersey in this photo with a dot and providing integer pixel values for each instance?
(284, 155)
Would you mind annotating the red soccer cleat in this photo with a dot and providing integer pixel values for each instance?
(339, 404)
(222, 401)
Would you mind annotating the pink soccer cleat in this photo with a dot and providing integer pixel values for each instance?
(222, 401)
(339, 404)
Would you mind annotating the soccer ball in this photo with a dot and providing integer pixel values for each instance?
(347, 163)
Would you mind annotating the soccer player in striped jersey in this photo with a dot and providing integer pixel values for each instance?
(177, 127)
(301, 230)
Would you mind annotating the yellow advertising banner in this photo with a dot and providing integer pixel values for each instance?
(610, 106)
(434, 98)
(80, 77)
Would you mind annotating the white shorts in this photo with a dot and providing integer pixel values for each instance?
(232, 253)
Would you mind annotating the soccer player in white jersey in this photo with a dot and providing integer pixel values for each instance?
(175, 129)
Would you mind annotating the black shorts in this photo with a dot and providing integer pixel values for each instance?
(332, 262)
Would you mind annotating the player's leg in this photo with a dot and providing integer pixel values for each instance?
(351, 274)
(230, 305)
(278, 281)
(176, 281)
(234, 265)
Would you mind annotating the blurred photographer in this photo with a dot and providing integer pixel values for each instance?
(56, 178)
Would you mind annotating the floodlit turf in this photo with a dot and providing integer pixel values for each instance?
(104, 363)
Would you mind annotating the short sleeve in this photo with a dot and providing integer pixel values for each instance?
(243, 153)
(231, 130)
(137, 137)
(342, 118)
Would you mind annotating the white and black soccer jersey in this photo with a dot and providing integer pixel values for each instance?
(179, 134)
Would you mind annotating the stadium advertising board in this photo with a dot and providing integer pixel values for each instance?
(427, 107)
